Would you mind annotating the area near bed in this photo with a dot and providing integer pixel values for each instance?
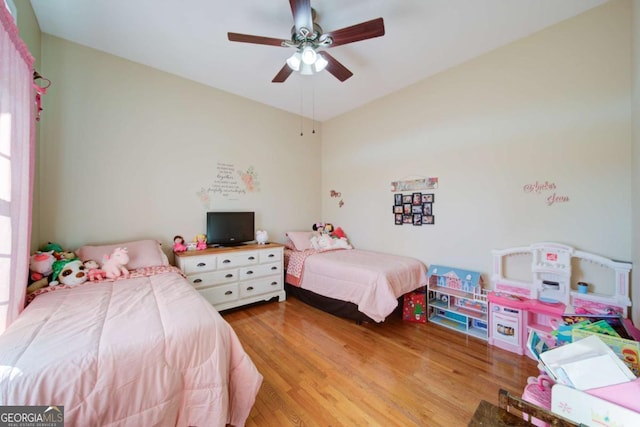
(139, 351)
(372, 280)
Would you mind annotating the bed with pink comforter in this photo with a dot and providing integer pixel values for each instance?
(373, 281)
(142, 351)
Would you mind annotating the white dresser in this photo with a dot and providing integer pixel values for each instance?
(234, 276)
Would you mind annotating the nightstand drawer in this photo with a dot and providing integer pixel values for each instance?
(260, 270)
(260, 286)
(213, 278)
(194, 264)
(220, 294)
(236, 260)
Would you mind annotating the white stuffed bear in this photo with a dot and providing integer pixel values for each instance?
(262, 237)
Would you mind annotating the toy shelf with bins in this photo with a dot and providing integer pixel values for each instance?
(457, 301)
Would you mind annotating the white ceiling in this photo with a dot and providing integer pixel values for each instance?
(188, 38)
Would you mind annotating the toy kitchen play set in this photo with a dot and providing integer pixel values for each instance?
(535, 285)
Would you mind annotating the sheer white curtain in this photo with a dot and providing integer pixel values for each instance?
(17, 134)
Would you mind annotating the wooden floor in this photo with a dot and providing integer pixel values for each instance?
(321, 370)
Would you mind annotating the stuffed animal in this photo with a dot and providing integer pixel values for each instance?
(262, 237)
(339, 233)
(41, 265)
(68, 272)
(94, 273)
(114, 264)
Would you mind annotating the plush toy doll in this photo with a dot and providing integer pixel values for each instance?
(339, 233)
(68, 272)
(201, 242)
(178, 244)
(114, 264)
(41, 265)
(94, 273)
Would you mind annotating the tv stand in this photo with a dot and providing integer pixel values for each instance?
(234, 276)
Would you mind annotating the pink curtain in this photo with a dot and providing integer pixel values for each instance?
(17, 142)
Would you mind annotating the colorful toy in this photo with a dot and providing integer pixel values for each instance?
(201, 242)
(51, 247)
(94, 273)
(114, 264)
(68, 272)
(41, 265)
(178, 244)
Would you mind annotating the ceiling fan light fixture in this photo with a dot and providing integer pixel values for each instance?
(306, 69)
(320, 64)
(309, 55)
(294, 61)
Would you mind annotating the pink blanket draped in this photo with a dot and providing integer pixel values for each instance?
(135, 352)
(372, 280)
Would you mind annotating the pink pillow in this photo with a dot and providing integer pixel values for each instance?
(142, 253)
(301, 239)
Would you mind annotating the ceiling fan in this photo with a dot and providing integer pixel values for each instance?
(307, 37)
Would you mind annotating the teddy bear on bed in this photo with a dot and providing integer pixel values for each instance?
(40, 267)
(69, 272)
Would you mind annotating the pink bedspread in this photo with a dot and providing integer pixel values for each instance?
(136, 352)
(372, 280)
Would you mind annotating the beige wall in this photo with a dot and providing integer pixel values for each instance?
(636, 157)
(551, 107)
(126, 149)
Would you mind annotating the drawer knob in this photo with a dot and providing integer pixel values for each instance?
(274, 267)
(228, 276)
(197, 281)
(228, 292)
(271, 255)
(250, 288)
(274, 283)
(251, 258)
(249, 272)
(226, 261)
(201, 264)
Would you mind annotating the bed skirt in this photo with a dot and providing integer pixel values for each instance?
(344, 309)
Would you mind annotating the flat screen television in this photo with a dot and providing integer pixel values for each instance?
(230, 228)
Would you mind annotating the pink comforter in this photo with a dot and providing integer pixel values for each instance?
(372, 280)
(137, 352)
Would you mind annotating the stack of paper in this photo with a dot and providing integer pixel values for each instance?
(585, 364)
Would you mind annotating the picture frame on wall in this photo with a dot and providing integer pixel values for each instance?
(397, 199)
(417, 219)
(406, 208)
(427, 198)
(427, 209)
(397, 209)
(407, 219)
(416, 209)
(406, 198)
(398, 218)
(428, 219)
(417, 198)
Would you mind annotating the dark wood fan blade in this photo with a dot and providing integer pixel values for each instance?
(301, 10)
(247, 38)
(283, 74)
(355, 33)
(335, 67)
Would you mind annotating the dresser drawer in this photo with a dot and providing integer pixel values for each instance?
(237, 260)
(220, 294)
(270, 255)
(195, 264)
(213, 278)
(260, 270)
(260, 286)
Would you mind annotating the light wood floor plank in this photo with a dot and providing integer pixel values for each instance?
(321, 370)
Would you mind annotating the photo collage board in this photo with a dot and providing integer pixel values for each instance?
(413, 208)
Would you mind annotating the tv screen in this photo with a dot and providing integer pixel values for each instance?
(230, 228)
